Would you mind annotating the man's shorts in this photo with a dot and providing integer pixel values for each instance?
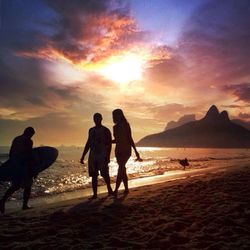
(94, 166)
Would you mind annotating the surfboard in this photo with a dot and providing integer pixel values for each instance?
(44, 157)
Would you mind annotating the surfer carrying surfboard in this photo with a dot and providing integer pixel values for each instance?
(21, 158)
(99, 144)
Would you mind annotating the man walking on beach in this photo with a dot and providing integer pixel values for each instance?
(22, 162)
(99, 143)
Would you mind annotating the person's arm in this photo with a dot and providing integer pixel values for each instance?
(114, 133)
(86, 149)
(132, 143)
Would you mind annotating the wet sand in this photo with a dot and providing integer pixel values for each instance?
(209, 211)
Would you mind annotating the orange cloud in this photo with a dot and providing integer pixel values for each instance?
(89, 39)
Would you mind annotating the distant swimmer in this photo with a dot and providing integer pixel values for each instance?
(21, 158)
(124, 142)
(99, 144)
(184, 163)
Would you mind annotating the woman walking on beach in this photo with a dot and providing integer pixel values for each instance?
(124, 142)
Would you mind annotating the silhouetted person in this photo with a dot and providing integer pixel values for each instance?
(124, 142)
(184, 163)
(99, 143)
(21, 159)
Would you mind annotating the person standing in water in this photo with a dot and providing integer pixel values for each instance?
(124, 142)
(99, 143)
(22, 160)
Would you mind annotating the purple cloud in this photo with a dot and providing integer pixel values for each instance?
(241, 91)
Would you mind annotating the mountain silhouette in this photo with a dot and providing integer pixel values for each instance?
(245, 124)
(215, 130)
(183, 120)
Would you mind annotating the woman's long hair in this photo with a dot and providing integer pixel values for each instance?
(119, 117)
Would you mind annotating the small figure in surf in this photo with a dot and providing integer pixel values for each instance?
(21, 158)
(124, 142)
(184, 163)
(99, 144)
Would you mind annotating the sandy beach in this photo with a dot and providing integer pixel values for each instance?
(211, 211)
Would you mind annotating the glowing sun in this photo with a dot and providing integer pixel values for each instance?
(123, 69)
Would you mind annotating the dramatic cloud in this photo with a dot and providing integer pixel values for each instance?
(216, 42)
(240, 91)
(212, 52)
(83, 31)
(232, 106)
(166, 71)
(24, 89)
(244, 116)
(51, 65)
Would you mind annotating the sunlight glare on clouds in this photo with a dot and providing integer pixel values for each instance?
(6, 112)
(123, 69)
(64, 72)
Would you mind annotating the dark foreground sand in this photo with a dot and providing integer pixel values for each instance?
(205, 212)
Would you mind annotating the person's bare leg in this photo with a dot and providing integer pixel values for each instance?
(28, 182)
(26, 192)
(124, 176)
(94, 186)
(26, 196)
(107, 181)
(6, 196)
(118, 180)
(125, 180)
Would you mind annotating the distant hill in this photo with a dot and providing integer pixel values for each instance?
(215, 130)
(242, 123)
(183, 120)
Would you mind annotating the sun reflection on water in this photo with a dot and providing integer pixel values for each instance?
(67, 174)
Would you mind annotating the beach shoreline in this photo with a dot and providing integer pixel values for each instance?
(14, 205)
(209, 211)
(68, 176)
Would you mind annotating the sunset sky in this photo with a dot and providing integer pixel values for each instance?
(158, 60)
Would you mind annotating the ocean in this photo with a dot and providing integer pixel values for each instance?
(67, 174)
